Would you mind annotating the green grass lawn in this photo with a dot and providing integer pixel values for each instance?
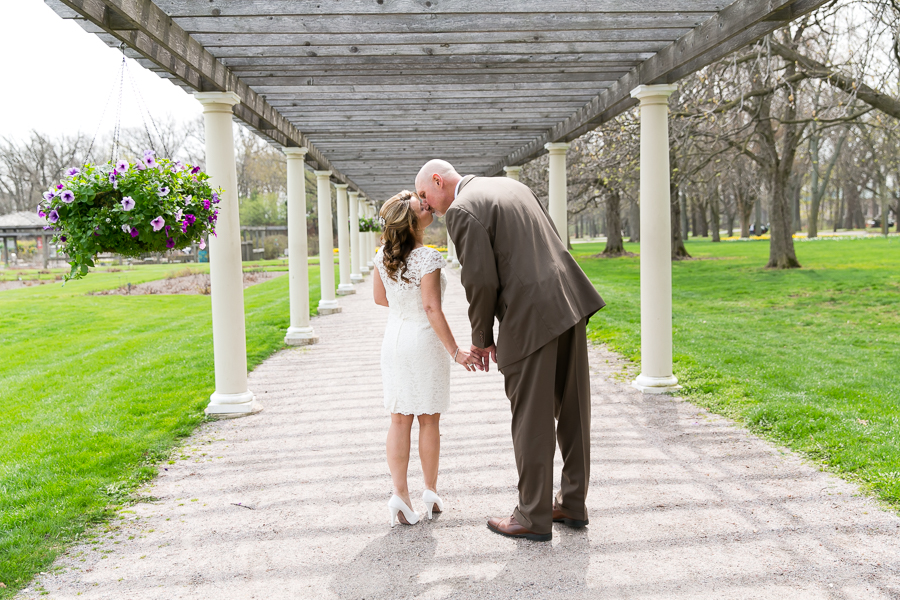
(807, 357)
(96, 390)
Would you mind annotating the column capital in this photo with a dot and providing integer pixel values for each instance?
(513, 169)
(217, 101)
(340, 186)
(557, 147)
(353, 193)
(293, 152)
(322, 174)
(654, 94)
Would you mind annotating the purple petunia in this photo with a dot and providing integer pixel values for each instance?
(158, 223)
(215, 197)
(127, 203)
(67, 196)
(72, 172)
(134, 232)
(53, 217)
(190, 219)
(184, 227)
(195, 170)
(49, 196)
(162, 191)
(202, 243)
(149, 161)
(62, 238)
(59, 186)
(112, 175)
(206, 205)
(122, 166)
(170, 243)
(178, 214)
(140, 166)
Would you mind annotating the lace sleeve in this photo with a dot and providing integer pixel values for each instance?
(432, 262)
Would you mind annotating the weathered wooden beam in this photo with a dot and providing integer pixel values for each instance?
(149, 31)
(746, 20)
(411, 23)
(243, 8)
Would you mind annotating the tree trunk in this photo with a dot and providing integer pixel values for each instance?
(701, 217)
(745, 209)
(679, 252)
(757, 221)
(781, 247)
(714, 216)
(796, 186)
(683, 207)
(636, 222)
(614, 245)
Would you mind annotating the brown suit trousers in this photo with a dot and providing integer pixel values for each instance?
(553, 382)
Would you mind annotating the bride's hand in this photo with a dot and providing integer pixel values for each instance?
(468, 361)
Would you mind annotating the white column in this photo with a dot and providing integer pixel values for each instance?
(656, 242)
(363, 238)
(373, 240)
(513, 172)
(451, 253)
(327, 304)
(300, 332)
(226, 276)
(557, 187)
(353, 209)
(345, 288)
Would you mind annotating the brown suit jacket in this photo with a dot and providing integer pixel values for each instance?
(515, 268)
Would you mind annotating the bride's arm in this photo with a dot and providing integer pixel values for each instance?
(378, 289)
(431, 302)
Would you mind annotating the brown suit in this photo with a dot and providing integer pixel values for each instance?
(516, 268)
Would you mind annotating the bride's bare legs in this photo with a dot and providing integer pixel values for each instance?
(398, 454)
(430, 448)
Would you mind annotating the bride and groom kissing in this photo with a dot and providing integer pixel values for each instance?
(515, 268)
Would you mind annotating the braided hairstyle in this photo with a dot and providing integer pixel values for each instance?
(400, 225)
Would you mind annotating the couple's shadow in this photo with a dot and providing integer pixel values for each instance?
(452, 558)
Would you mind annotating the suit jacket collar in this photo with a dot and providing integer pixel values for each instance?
(463, 183)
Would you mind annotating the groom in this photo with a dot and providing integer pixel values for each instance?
(516, 268)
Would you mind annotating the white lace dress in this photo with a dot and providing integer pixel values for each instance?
(415, 367)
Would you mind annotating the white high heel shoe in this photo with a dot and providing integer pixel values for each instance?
(396, 505)
(430, 499)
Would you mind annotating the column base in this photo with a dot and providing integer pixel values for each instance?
(364, 270)
(454, 264)
(346, 289)
(370, 265)
(655, 385)
(300, 336)
(230, 406)
(329, 307)
(356, 278)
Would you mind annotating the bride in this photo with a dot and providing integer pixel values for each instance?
(417, 349)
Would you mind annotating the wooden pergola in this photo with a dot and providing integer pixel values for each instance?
(365, 91)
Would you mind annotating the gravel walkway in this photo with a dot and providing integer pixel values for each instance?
(291, 502)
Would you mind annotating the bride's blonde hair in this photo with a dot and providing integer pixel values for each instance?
(399, 235)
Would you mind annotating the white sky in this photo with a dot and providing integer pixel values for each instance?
(57, 78)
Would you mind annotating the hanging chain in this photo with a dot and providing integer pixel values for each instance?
(114, 149)
(88, 155)
(143, 108)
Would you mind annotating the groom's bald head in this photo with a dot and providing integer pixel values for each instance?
(436, 185)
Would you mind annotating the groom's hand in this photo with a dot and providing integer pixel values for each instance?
(483, 353)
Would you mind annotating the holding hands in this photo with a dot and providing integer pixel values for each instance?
(467, 360)
(482, 354)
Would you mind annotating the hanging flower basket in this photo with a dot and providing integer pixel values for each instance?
(129, 209)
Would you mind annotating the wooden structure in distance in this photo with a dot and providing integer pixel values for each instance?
(375, 87)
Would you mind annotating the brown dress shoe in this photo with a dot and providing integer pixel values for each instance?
(559, 517)
(511, 528)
